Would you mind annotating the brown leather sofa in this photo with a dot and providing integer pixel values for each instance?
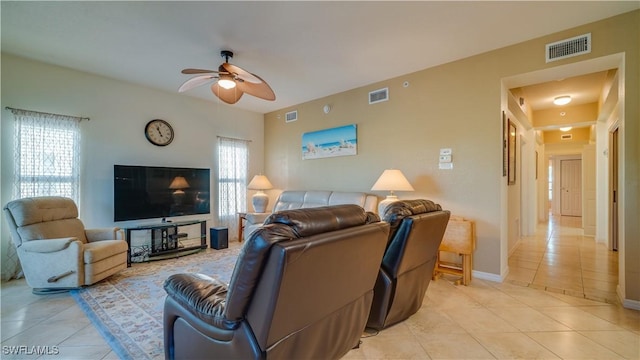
(417, 227)
(301, 288)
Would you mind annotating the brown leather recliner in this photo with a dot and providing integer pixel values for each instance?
(417, 228)
(301, 288)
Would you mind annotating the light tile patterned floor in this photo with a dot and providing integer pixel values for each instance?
(559, 259)
(517, 319)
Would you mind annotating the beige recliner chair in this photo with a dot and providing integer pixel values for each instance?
(56, 251)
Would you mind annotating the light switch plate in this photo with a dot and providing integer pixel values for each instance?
(445, 158)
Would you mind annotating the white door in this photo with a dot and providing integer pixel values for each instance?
(571, 187)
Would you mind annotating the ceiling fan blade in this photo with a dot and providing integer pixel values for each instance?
(243, 74)
(195, 82)
(230, 96)
(198, 71)
(261, 90)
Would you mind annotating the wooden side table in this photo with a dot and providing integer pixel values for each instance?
(241, 218)
(252, 218)
(459, 238)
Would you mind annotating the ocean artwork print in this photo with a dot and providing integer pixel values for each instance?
(338, 141)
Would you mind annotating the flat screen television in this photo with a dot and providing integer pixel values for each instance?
(146, 192)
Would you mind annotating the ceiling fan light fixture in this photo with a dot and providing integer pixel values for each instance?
(226, 83)
(562, 100)
(229, 77)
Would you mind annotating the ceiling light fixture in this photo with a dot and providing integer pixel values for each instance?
(562, 100)
(226, 83)
(566, 128)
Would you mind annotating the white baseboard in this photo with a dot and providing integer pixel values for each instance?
(631, 304)
(627, 303)
(488, 276)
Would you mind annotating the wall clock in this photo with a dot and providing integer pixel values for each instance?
(159, 132)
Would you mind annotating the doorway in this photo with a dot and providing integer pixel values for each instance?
(565, 176)
(571, 187)
(606, 222)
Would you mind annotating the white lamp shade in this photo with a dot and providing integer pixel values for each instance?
(392, 180)
(259, 182)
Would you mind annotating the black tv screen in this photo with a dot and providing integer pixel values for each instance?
(146, 192)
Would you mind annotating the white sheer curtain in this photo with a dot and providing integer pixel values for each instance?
(47, 155)
(233, 160)
(46, 162)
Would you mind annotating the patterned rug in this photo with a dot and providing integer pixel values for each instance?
(127, 307)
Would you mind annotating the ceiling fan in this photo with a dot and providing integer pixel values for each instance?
(231, 81)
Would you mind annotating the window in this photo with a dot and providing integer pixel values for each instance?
(47, 159)
(233, 160)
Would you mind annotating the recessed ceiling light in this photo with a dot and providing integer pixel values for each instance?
(566, 128)
(562, 100)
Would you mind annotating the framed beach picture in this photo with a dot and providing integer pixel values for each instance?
(338, 141)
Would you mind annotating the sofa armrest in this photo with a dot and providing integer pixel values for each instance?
(202, 296)
(256, 218)
(113, 233)
(48, 245)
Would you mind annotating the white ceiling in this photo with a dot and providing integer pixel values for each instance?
(304, 50)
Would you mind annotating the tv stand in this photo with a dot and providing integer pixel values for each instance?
(166, 240)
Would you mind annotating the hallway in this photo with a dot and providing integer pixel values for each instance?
(560, 259)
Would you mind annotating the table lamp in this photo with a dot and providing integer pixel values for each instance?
(391, 180)
(260, 200)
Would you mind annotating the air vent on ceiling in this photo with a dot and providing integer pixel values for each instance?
(569, 47)
(566, 136)
(291, 116)
(379, 95)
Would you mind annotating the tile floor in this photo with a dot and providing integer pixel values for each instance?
(559, 259)
(516, 319)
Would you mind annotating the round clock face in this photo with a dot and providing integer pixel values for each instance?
(159, 132)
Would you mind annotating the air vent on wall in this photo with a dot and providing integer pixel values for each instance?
(291, 116)
(379, 95)
(569, 47)
(566, 136)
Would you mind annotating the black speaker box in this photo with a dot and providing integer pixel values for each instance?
(219, 238)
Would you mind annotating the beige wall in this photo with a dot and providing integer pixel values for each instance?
(580, 136)
(458, 106)
(584, 113)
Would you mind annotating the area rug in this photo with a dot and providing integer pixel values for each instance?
(127, 307)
